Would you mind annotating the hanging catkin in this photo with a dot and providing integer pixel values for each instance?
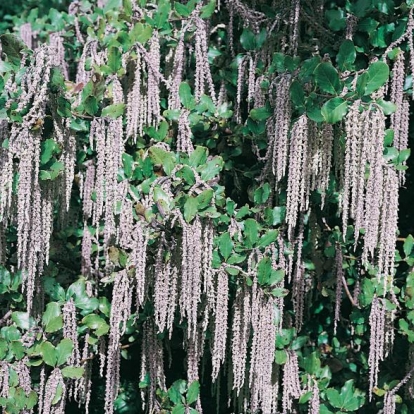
(83, 385)
(314, 402)
(241, 328)
(120, 313)
(152, 363)
(135, 115)
(298, 283)
(338, 291)
(373, 133)
(54, 381)
(263, 394)
(177, 74)
(153, 82)
(298, 175)
(377, 341)
(203, 79)
(70, 330)
(353, 125)
(321, 158)
(389, 225)
(184, 135)
(34, 217)
(162, 293)
(291, 383)
(191, 267)
(399, 119)
(278, 128)
(140, 237)
(220, 322)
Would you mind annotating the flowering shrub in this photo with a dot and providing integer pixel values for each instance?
(199, 208)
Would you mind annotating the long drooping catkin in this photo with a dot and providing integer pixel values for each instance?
(377, 341)
(298, 174)
(120, 312)
(220, 322)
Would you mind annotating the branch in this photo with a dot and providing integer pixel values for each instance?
(348, 293)
(5, 318)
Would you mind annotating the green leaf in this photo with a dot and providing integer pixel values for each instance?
(181, 9)
(305, 397)
(211, 169)
(190, 208)
(64, 351)
(175, 396)
(208, 10)
(112, 4)
(58, 394)
(408, 245)
(49, 354)
(3, 348)
(187, 174)
(12, 47)
(64, 107)
(389, 137)
(114, 59)
(198, 156)
(403, 155)
(113, 111)
(161, 16)
(186, 97)
(141, 33)
(93, 321)
(180, 385)
(5, 67)
(346, 55)
(391, 154)
(225, 245)
(336, 19)
(276, 277)
(348, 399)
(264, 271)
(279, 292)
(91, 105)
(297, 95)
(377, 75)
(248, 39)
(178, 409)
(23, 320)
(193, 392)
(31, 400)
(251, 231)
(268, 238)
(204, 198)
(334, 110)
(162, 158)
(73, 372)
(48, 148)
(327, 78)
(52, 317)
(18, 349)
(387, 107)
(280, 356)
(260, 114)
(172, 114)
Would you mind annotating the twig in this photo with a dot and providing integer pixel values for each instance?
(403, 381)
(5, 318)
(128, 345)
(348, 293)
(350, 257)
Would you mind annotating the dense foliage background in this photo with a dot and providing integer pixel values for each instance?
(174, 235)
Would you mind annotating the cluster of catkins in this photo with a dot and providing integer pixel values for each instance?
(177, 274)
